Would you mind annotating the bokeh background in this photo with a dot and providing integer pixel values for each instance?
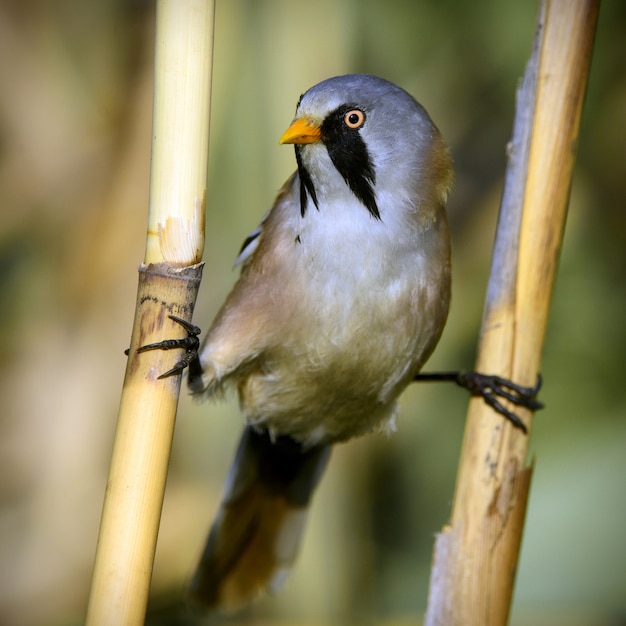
(75, 116)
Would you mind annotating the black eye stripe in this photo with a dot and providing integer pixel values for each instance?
(336, 119)
(350, 156)
(340, 133)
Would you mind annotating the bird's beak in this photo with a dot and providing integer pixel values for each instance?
(302, 130)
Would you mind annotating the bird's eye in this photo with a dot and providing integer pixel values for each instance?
(354, 119)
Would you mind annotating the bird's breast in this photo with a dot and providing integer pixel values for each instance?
(361, 310)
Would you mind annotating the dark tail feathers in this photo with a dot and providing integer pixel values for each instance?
(256, 534)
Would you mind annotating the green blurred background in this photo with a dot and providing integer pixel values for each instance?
(75, 115)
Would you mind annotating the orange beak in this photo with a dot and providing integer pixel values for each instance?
(302, 130)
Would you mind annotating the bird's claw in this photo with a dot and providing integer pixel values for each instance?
(491, 388)
(190, 343)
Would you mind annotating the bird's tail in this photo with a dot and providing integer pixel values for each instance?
(255, 537)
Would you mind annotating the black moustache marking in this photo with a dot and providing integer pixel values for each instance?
(306, 184)
(350, 156)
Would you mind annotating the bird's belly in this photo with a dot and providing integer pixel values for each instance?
(338, 372)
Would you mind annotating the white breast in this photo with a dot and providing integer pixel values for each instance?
(359, 328)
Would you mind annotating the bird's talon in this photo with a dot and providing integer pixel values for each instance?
(489, 386)
(192, 329)
(190, 343)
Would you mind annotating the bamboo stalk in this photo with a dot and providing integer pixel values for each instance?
(475, 556)
(168, 284)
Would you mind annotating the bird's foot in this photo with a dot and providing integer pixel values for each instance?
(493, 389)
(190, 343)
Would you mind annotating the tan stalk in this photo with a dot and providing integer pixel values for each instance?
(475, 556)
(168, 282)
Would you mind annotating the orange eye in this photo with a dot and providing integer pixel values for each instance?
(354, 119)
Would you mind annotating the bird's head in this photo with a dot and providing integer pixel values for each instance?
(364, 135)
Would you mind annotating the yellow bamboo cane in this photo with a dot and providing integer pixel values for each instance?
(476, 555)
(168, 283)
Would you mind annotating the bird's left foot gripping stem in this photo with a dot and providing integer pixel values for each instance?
(190, 343)
(492, 388)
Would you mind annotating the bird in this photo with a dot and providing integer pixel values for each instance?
(343, 295)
